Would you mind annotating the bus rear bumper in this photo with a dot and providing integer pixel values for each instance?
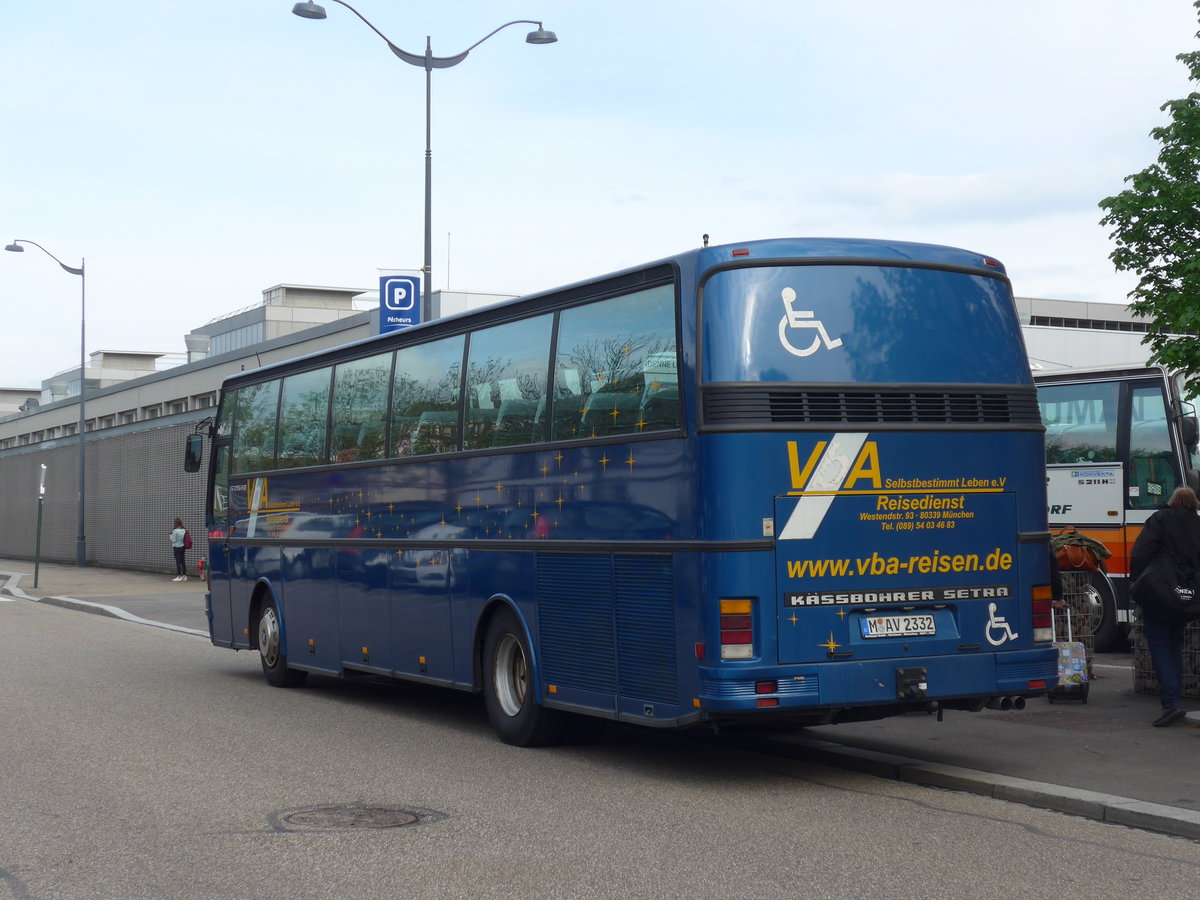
(957, 682)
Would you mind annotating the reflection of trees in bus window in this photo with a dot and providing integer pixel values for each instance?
(1081, 422)
(615, 371)
(425, 398)
(1152, 473)
(220, 500)
(506, 383)
(254, 427)
(303, 415)
(360, 405)
(225, 414)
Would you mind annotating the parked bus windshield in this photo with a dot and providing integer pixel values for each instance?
(788, 481)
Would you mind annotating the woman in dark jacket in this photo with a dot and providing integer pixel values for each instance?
(1175, 531)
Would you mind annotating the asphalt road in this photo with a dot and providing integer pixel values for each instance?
(142, 762)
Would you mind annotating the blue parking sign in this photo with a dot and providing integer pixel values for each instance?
(399, 300)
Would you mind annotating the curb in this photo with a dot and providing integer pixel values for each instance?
(1072, 801)
(8, 588)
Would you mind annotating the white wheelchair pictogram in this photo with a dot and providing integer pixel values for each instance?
(795, 318)
(998, 624)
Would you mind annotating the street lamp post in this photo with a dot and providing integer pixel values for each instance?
(428, 62)
(80, 538)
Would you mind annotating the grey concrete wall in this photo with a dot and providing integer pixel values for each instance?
(136, 487)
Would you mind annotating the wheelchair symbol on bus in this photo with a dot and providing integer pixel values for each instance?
(999, 625)
(795, 318)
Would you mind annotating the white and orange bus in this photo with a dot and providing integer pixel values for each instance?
(1119, 440)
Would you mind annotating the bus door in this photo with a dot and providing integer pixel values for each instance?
(219, 584)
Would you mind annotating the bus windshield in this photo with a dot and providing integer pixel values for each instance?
(907, 325)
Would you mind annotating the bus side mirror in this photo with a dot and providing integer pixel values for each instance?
(192, 452)
(1189, 431)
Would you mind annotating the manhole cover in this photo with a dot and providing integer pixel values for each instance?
(349, 817)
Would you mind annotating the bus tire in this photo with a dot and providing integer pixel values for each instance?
(271, 652)
(508, 687)
(1100, 595)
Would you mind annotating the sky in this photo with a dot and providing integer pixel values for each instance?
(195, 154)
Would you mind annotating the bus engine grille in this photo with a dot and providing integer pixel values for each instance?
(798, 405)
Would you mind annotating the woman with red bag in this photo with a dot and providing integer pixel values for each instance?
(179, 544)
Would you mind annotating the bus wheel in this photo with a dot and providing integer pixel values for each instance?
(508, 688)
(270, 649)
(1098, 592)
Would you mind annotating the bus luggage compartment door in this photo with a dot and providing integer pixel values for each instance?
(896, 575)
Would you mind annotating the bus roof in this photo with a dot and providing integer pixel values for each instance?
(700, 259)
(1117, 370)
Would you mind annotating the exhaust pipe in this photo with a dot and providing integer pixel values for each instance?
(1006, 703)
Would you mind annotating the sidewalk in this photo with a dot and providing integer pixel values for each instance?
(138, 596)
(1100, 760)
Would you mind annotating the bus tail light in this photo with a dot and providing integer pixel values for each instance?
(1043, 624)
(737, 629)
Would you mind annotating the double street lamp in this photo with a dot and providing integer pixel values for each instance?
(428, 62)
(80, 539)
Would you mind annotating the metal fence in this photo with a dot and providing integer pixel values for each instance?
(1144, 679)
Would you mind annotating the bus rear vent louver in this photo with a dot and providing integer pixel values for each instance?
(736, 406)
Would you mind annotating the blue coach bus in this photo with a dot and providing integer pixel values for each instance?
(781, 481)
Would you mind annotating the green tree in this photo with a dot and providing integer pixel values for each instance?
(1156, 227)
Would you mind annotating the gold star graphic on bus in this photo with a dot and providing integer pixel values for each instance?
(604, 461)
(559, 458)
(615, 413)
(831, 645)
(629, 462)
(841, 614)
(499, 488)
(545, 470)
(793, 619)
(641, 424)
(560, 501)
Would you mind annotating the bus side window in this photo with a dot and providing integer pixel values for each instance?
(254, 427)
(360, 401)
(425, 395)
(303, 414)
(507, 372)
(615, 371)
